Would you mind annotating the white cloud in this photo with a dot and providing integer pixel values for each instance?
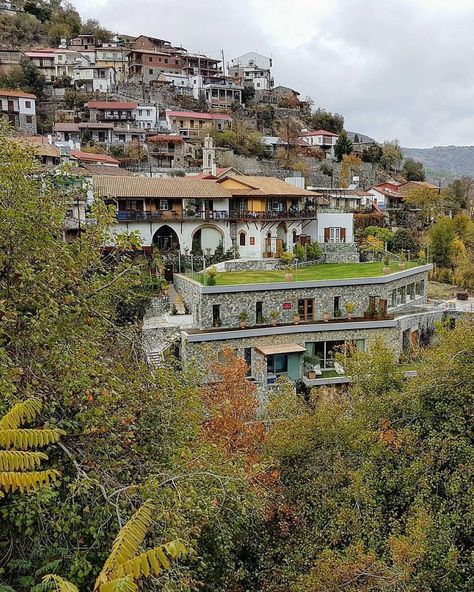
(393, 68)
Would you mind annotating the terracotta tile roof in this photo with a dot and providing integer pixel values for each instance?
(16, 93)
(162, 138)
(97, 169)
(112, 105)
(195, 115)
(91, 157)
(179, 188)
(66, 127)
(320, 133)
(95, 125)
(265, 186)
(130, 130)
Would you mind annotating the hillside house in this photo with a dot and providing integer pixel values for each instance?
(117, 112)
(194, 125)
(254, 69)
(169, 150)
(19, 108)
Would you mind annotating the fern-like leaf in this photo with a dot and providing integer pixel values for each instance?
(18, 460)
(61, 584)
(20, 414)
(119, 585)
(127, 542)
(23, 439)
(11, 481)
(151, 561)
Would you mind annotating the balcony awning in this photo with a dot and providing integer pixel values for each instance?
(285, 348)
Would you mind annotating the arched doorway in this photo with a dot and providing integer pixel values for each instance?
(207, 239)
(166, 239)
(281, 239)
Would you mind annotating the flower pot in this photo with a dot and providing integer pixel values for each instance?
(325, 317)
(274, 322)
(401, 265)
(243, 324)
(311, 374)
(349, 315)
(296, 319)
(386, 270)
(288, 277)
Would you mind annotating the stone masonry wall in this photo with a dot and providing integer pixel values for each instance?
(233, 303)
(199, 352)
(340, 252)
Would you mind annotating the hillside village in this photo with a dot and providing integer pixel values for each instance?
(247, 330)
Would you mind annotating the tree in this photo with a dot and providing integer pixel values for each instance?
(343, 146)
(392, 155)
(248, 94)
(330, 122)
(459, 192)
(405, 240)
(93, 27)
(19, 468)
(372, 154)
(442, 235)
(425, 198)
(26, 77)
(350, 164)
(413, 170)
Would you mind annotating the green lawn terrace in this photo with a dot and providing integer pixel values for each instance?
(323, 271)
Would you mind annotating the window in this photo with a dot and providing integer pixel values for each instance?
(216, 315)
(252, 240)
(420, 288)
(401, 295)
(306, 309)
(150, 71)
(176, 62)
(277, 364)
(242, 239)
(121, 137)
(164, 204)
(150, 59)
(140, 112)
(29, 119)
(166, 60)
(259, 313)
(248, 360)
(148, 112)
(334, 235)
(392, 299)
(337, 305)
(411, 291)
(28, 104)
(360, 344)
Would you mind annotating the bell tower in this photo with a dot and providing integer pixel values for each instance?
(208, 156)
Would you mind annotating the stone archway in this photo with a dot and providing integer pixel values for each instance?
(166, 239)
(207, 239)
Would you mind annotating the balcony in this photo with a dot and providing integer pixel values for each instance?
(226, 215)
(125, 116)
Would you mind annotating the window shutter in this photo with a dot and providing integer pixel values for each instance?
(343, 235)
(326, 235)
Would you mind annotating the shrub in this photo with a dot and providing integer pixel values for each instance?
(313, 252)
(300, 252)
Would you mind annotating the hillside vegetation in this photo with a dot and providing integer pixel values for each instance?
(448, 160)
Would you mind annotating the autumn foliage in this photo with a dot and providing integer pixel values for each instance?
(232, 408)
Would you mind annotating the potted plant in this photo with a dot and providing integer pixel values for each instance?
(311, 361)
(386, 265)
(349, 309)
(274, 314)
(211, 276)
(326, 316)
(402, 262)
(296, 317)
(337, 314)
(243, 318)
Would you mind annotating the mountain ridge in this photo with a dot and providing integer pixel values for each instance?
(444, 161)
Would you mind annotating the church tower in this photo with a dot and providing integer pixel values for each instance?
(209, 156)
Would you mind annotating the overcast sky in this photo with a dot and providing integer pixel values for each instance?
(394, 68)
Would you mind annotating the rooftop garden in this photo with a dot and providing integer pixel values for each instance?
(324, 271)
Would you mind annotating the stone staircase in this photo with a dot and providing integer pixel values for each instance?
(176, 301)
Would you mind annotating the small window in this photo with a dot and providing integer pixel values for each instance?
(29, 119)
(216, 315)
(28, 104)
(337, 305)
(166, 60)
(259, 313)
(150, 59)
(277, 364)
(164, 204)
(176, 62)
(252, 240)
(150, 71)
(242, 239)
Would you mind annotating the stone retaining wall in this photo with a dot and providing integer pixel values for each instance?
(340, 252)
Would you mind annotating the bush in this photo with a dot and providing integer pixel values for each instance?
(445, 275)
(299, 252)
(313, 252)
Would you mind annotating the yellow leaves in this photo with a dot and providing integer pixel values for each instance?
(16, 463)
(20, 414)
(11, 481)
(13, 460)
(152, 561)
(29, 438)
(61, 584)
(119, 585)
(123, 566)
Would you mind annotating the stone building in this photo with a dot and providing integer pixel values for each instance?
(388, 307)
